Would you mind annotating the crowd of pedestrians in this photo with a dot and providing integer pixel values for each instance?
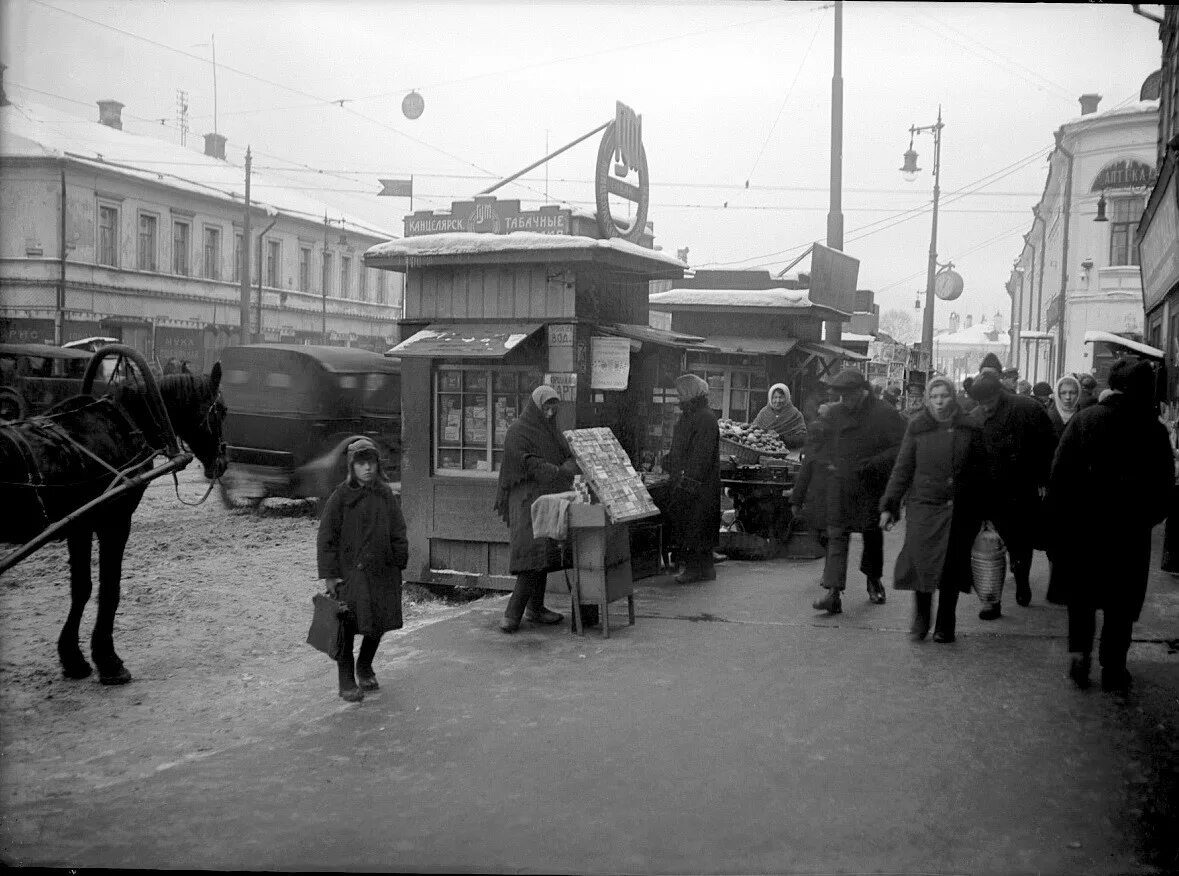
(1001, 452)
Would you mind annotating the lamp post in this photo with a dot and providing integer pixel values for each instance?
(910, 171)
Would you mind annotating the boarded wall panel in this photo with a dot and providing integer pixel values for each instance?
(413, 295)
(459, 556)
(462, 511)
(522, 292)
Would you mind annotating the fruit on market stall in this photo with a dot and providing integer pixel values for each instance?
(750, 436)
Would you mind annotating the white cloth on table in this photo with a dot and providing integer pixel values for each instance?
(550, 515)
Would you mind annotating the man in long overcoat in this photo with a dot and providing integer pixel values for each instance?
(1019, 441)
(863, 436)
(694, 466)
(1114, 456)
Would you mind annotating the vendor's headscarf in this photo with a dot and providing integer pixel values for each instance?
(950, 409)
(691, 386)
(786, 421)
(1066, 413)
(530, 434)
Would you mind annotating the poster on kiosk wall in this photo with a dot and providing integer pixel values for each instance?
(610, 363)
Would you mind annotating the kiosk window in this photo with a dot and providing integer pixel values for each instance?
(473, 408)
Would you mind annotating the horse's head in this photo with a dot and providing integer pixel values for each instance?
(198, 414)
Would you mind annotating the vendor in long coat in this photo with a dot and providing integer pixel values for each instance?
(863, 435)
(537, 461)
(1114, 456)
(938, 474)
(694, 466)
(1019, 440)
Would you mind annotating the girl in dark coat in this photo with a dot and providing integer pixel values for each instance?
(361, 551)
(694, 466)
(1064, 403)
(938, 475)
(537, 461)
(1114, 456)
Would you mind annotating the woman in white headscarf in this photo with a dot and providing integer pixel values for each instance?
(782, 417)
(1065, 403)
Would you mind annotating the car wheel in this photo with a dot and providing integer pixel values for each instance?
(235, 502)
(12, 406)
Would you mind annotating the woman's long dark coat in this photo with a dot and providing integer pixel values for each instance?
(694, 466)
(857, 452)
(537, 451)
(1112, 475)
(362, 542)
(938, 476)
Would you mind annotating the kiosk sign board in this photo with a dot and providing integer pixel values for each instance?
(833, 278)
(609, 363)
(489, 215)
(1159, 249)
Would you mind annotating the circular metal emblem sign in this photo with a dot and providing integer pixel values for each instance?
(947, 285)
(619, 154)
(412, 105)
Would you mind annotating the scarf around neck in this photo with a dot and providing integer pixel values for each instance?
(1066, 414)
(786, 421)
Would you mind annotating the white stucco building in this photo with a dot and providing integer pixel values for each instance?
(958, 352)
(110, 233)
(1074, 273)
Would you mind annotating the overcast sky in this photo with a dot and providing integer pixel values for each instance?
(729, 93)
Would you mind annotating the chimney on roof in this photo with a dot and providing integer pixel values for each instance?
(215, 146)
(1089, 103)
(969, 320)
(998, 324)
(955, 321)
(110, 113)
(3, 96)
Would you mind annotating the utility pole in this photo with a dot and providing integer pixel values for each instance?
(244, 298)
(323, 319)
(59, 317)
(931, 269)
(258, 335)
(835, 214)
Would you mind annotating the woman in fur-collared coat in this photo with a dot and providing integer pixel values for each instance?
(938, 475)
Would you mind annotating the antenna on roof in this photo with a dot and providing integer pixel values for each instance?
(182, 114)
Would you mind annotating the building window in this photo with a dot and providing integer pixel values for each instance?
(345, 275)
(108, 236)
(273, 263)
(304, 269)
(1123, 222)
(473, 408)
(146, 259)
(362, 283)
(180, 247)
(736, 393)
(327, 273)
(212, 251)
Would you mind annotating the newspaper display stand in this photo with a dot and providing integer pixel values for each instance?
(600, 533)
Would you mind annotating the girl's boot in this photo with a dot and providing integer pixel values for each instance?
(366, 679)
(349, 690)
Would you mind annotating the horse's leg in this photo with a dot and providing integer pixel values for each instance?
(73, 663)
(112, 539)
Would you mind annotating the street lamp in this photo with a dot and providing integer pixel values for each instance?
(910, 170)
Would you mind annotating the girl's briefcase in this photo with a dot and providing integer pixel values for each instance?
(327, 625)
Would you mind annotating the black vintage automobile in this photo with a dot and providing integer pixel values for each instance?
(292, 411)
(35, 377)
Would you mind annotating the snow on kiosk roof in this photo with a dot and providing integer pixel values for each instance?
(466, 247)
(773, 300)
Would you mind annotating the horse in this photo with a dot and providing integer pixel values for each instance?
(53, 465)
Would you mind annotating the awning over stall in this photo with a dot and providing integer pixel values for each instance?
(829, 351)
(465, 340)
(1100, 337)
(649, 334)
(753, 346)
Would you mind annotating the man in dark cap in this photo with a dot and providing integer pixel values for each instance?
(1020, 442)
(990, 362)
(1010, 380)
(1088, 391)
(1042, 392)
(863, 437)
(1113, 455)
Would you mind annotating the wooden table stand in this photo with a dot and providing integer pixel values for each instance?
(601, 564)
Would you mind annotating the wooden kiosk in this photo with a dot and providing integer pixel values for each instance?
(497, 300)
